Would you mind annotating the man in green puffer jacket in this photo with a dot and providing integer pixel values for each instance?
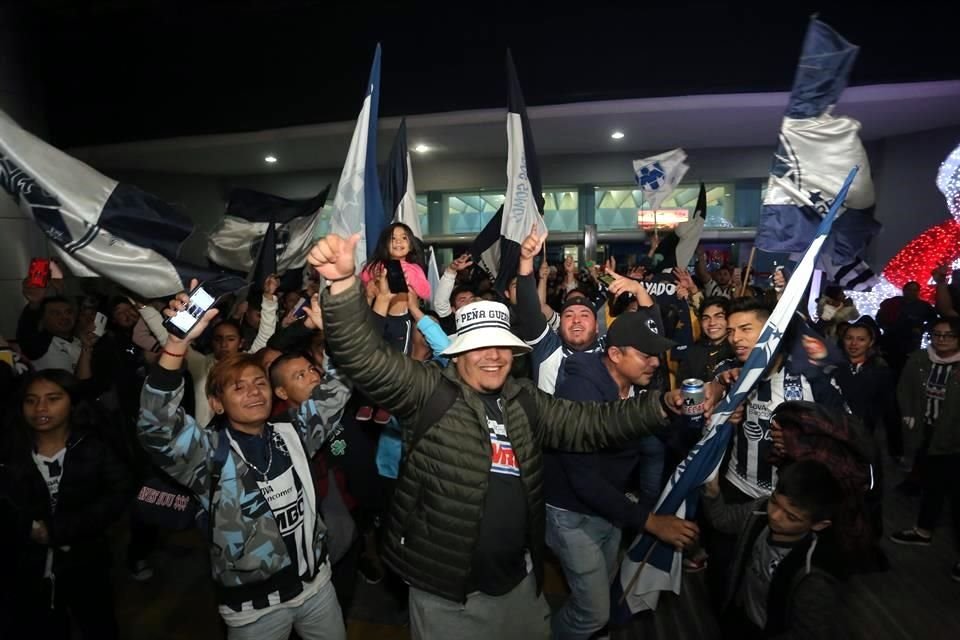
(466, 525)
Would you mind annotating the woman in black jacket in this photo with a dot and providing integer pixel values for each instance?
(60, 488)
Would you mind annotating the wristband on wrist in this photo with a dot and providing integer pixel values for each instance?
(332, 280)
(663, 403)
(172, 354)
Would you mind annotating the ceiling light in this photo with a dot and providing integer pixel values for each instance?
(421, 148)
(270, 159)
(617, 135)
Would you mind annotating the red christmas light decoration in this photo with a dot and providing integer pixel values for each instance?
(936, 246)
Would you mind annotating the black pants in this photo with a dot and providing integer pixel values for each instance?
(84, 608)
(939, 483)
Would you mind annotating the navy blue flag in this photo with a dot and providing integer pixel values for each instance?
(497, 248)
(815, 150)
(650, 567)
(97, 226)
(399, 193)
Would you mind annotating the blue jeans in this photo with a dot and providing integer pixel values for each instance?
(587, 547)
(318, 618)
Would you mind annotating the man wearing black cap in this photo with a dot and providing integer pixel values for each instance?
(586, 504)
(578, 322)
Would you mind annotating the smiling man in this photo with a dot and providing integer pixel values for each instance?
(466, 524)
(750, 471)
(268, 547)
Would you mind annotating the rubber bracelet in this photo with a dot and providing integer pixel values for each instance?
(172, 354)
(332, 280)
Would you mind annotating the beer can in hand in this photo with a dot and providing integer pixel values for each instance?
(693, 394)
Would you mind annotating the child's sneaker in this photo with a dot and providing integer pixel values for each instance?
(364, 414)
(382, 416)
(912, 537)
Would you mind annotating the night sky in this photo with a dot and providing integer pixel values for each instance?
(116, 70)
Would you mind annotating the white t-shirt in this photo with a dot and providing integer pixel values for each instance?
(52, 470)
(61, 354)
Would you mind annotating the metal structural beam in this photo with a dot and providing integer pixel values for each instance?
(738, 234)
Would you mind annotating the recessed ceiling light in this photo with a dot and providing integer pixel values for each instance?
(421, 148)
(617, 135)
(270, 159)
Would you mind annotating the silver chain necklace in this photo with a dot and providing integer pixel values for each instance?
(269, 455)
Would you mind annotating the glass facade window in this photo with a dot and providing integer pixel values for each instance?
(470, 212)
(561, 210)
(624, 207)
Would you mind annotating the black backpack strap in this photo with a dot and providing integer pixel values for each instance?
(435, 407)
(529, 405)
(443, 398)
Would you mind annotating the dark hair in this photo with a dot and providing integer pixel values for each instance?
(714, 301)
(954, 324)
(84, 414)
(461, 289)
(287, 356)
(834, 291)
(54, 300)
(811, 486)
(381, 254)
(229, 322)
(756, 305)
(864, 322)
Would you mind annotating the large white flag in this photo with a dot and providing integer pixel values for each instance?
(358, 205)
(97, 226)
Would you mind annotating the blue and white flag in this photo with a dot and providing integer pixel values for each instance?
(497, 247)
(814, 152)
(399, 193)
(657, 176)
(523, 204)
(97, 226)
(650, 567)
(358, 205)
(262, 233)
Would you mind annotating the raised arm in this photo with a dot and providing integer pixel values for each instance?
(448, 281)
(944, 299)
(268, 314)
(388, 377)
(174, 440)
(531, 324)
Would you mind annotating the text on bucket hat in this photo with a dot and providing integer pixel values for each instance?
(481, 325)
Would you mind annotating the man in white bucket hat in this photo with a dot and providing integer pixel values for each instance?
(466, 524)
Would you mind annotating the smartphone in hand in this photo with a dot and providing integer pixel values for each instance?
(182, 323)
(100, 324)
(395, 278)
(38, 276)
(299, 309)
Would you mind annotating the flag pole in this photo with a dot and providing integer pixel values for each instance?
(640, 567)
(746, 274)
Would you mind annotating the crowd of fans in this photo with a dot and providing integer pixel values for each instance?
(448, 441)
